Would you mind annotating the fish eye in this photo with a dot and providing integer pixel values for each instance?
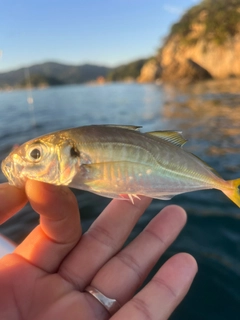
(35, 154)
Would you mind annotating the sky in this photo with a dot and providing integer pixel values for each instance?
(102, 32)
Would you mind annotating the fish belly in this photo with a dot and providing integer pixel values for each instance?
(111, 179)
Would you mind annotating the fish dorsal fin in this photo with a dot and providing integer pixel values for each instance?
(129, 127)
(174, 137)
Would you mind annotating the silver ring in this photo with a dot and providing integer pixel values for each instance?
(111, 305)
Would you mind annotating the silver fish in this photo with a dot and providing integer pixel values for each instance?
(116, 162)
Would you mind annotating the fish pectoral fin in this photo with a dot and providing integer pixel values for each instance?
(97, 185)
(174, 137)
(86, 175)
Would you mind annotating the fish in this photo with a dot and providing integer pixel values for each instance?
(115, 161)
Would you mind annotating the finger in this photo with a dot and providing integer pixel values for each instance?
(124, 273)
(103, 240)
(12, 199)
(59, 228)
(163, 293)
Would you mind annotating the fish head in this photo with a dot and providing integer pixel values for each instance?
(52, 160)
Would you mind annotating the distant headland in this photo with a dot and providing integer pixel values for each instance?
(52, 74)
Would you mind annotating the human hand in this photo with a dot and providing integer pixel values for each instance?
(46, 276)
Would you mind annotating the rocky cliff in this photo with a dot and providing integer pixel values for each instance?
(150, 71)
(204, 43)
(218, 61)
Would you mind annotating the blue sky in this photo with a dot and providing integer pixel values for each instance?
(103, 32)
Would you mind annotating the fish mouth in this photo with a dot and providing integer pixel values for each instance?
(11, 172)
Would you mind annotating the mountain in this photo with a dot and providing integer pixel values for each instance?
(52, 73)
(204, 43)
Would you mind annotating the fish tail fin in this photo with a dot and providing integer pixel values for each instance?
(233, 192)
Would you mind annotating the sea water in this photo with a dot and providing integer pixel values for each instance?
(208, 113)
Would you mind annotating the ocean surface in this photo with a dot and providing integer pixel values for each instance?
(208, 113)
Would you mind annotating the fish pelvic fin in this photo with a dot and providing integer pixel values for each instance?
(130, 197)
(233, 192)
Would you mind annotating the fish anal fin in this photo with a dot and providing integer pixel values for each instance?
(174, 137)
(162, 197)
(166, 198)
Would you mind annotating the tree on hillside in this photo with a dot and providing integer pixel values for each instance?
(218, 20)
(131, 70)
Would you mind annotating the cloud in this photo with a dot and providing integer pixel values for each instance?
(173, 9)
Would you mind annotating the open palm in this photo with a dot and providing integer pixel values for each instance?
(46, 275)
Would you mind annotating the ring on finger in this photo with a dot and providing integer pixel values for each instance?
(111, 305)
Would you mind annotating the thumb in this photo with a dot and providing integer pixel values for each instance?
(12, 200)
